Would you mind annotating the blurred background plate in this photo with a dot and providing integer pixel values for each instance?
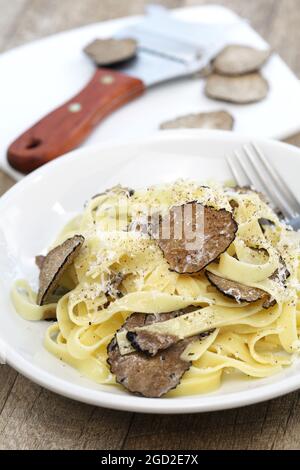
(38, 77)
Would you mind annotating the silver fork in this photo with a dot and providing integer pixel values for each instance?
(250, 167)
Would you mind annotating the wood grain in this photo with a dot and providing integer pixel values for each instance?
(31, 417)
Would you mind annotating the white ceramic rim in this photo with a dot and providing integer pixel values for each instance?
(191, 404)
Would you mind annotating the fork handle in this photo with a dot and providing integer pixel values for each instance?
(69, 125)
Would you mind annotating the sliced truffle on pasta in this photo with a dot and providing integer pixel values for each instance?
(265, 223)
(239, 292)
(116, 190)
(191, 236)
(282, 273)
(54, 265)
(148, 376)
(249, 190)
(39, 261)
(244, 190)
(113, 285)
(151, 343)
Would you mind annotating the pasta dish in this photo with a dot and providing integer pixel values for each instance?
(161, 291)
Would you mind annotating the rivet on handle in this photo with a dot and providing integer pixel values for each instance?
(75, 107)
(107, 79)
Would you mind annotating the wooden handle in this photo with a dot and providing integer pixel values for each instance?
(65, 128)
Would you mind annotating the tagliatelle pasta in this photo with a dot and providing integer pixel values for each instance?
(120, 270)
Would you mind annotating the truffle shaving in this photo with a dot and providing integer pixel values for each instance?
(212, 120)
(111, 51)
(249, 190)
(282, 273)
(39, 261)
(244, 89)
(118, 190)
(239, 60)
(191, 236)
(54, 265)
(113, 286)
(151, 343)
(144, 375)
(239, 292)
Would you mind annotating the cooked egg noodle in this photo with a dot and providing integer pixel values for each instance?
(246, 338)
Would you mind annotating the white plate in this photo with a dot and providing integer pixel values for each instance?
(38, 77)
(34, 210)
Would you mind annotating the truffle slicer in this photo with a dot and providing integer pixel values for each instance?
(168, 49)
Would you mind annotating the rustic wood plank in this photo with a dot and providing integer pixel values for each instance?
(284, 33)
(261, 426)
(6, 182)
(7, 380)
(41, 18)
(31, 417)
(9, 20)
(17, 407)
(34, 418)
(259, 12)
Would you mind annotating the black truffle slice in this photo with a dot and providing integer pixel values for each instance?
(265, 223)
(193, 235)
(238, 291)
(264, 198)
(39, 261)
(55, 264)
(212, 120)
(249, 190)
(148, 376)
(151, 343)
(111, 51)
(282, 273)
(244, 89)
(118, 189)
(269, 302)
(239, 60)
(113, 285)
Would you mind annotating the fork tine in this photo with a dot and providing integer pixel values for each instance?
(239, 175)
(258, 176)
(278, 181)
(249, 170)
(245, 174)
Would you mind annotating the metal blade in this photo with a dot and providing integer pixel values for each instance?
(169, 48)
(158, 43)
(153, 69)
(198, 35)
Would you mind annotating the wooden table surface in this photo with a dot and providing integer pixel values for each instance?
(34, 418)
